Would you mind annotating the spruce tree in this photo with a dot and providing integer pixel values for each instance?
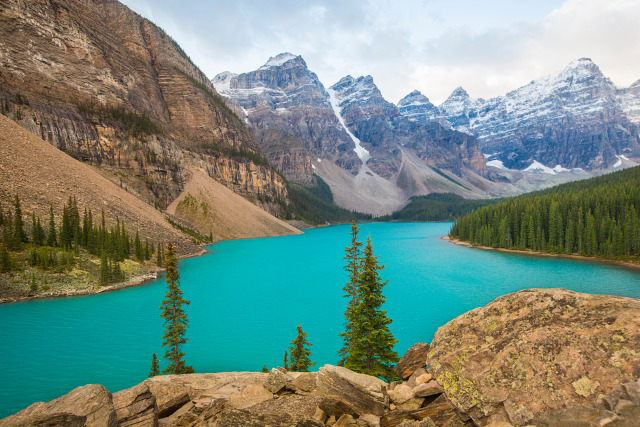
(286, 360)
(159, 255)
(354, 262)
(19, 235)
(175, 318)
(299, 352)
(6, 263)
(105, 274)
(155, 366)
(51, 238)
(264, 369)
(372, 343)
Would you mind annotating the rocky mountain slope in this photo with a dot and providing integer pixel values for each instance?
(576, 118)
(545, 358)
(214, 210)
(110, 88)
(371, 156)
(44, 176)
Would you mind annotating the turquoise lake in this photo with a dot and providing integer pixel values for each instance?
(248, 296)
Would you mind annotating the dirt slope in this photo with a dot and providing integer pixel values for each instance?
(42, 176)
(210, 207)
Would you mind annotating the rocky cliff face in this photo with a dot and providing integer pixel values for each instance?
(575, 119)
(371, 156)
(288, 111)
(110, 88)
(385, 133)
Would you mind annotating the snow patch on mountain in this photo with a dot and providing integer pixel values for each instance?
(278, 60)
(362, 152)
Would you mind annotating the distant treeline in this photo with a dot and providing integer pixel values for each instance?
(58, 246)
(594, 217)
(315, 205)
(137, 124)
(437, 207)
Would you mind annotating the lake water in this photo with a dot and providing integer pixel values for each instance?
(247, 297)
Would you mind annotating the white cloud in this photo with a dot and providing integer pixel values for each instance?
(488, 47)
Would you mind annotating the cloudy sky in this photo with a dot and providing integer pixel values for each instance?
(488, 47)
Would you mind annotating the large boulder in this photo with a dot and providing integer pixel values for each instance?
(364, 392)
(536, 351)
(136, 406)
(414, 359)
(90, 406)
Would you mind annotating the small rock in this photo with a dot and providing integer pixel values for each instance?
(304, 384)
(320, 416)
(276, 381)
(250, 395)
(364, 392)
(135, 406)
(633, 391)
(335, 406)
(345, 420)
(371, 420)
(428, 389)
(424, 378)
(400, 394)
(415, 358)
(413, 423)
(623, 405)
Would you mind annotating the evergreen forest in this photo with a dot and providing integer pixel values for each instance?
(598, 217)
(77, 243)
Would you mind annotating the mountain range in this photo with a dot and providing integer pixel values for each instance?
(375, 155)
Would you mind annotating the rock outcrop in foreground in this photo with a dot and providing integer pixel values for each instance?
(545, 358)
(535, 352)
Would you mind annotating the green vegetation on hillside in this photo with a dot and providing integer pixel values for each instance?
(77, 247)
(137, 124)
(438, 207)
(594, 217)
(315, 205)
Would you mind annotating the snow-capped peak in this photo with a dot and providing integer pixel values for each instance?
(459, 92)
(414, 98)
(222, 82)
(278, 60)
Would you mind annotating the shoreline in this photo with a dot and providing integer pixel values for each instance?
(131, 283)
(627, 264)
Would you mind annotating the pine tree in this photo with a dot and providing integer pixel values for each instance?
(372, 342)
(159, 255)
(51, 238)
(175, 318)
(286, 361)
(19, 235)
(354, 262)
(155, 366)
(264, 369)
(6, 263)
(105, 274)
(299, 352)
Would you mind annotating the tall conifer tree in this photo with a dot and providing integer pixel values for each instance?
(299, 352)
(372, 343)
(354, 261)
(175, 318)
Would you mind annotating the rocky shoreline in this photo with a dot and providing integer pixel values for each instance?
(538, 357)
(628, 264)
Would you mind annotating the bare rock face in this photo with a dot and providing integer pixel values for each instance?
(364, 392)
(110, 88)
(414, 359)
(536, 351)
(90, 406)
(136, 406)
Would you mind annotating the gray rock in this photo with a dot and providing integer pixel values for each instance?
(413, 359)
(364, 392)
(90, 406)
(276, 381)
(428, 389)
(336, 407)
(136, 406)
